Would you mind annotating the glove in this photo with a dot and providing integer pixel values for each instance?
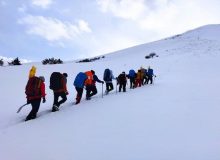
(28, 101)
(44, 100)
(67, 92)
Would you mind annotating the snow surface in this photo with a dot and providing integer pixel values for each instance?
(176, 118)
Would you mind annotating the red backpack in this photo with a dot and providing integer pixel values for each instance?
(33, 87)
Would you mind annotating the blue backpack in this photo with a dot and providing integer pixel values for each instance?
(107, 75)
(150, 72)
(131, 73)
(79, 80)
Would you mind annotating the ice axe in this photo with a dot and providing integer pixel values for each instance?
(20, 108)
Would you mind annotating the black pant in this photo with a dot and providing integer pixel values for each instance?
(109, 86)
(35, 107)
(91, 90)
(122, 85)
(56, 98)
(132, 82)
(79, 94)
(145, 79)
(150, 78)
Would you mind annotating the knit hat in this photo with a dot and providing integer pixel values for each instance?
(42, 78)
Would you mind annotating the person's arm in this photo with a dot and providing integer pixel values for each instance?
(95, 78)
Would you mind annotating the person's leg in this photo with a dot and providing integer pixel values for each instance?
(79, 94)
(124, 87)
(64, 98)
(111, 86)
(120, 86)
(56, 97)
(130, 82)
(35, 107)
(94, 90)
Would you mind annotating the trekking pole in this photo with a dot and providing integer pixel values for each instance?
(116, 87)
(20, 108)
(154, 79)
(102, 90)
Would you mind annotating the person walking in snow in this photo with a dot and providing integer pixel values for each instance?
(90, 83)
(108, 77)
(132, 76)
(35, 91)
(79, 83)
(58, 83)
(150, 74)
(138, 80)
(122, 81)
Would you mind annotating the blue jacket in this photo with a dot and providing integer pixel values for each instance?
(80, 80)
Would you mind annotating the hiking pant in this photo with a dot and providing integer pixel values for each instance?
(79, 94)
(35, 107)
(91, 90)
(122, 85)
(56, 98)
(150, 78)
(132, 82)
(144, 81)
(109, 86)
(138, 83)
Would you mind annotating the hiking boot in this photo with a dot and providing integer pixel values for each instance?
(77, 102)
(55, 108)
(88, 98)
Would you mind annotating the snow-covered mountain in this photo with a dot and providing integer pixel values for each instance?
(177, 118)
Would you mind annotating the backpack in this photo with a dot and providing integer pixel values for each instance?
(150, 72)
(131, 73)
(56, 81)
(32, 88)
(89, 79)
(80, 79)
(107, 75)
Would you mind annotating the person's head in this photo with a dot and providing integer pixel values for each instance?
(123, 72)
(42, 78)
(65, 74)
(93, 72)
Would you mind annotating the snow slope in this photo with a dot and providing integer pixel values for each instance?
(177, 118)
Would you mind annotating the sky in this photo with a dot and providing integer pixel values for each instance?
(39, 29)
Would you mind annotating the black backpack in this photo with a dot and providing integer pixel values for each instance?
(56, 81)
(107, 75)
(32, 88)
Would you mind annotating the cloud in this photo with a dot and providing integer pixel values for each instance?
(22, 9)
(166, 17)
(127, 9)
(53, 29)
(42, 3)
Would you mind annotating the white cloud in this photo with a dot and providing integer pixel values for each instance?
(53, 29)
(22, 9)
(127, 9)
(166, 17)
(42, 3)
